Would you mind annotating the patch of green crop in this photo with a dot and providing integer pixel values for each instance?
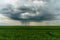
(26, 33)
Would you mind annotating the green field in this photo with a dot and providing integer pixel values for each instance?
(29, 33)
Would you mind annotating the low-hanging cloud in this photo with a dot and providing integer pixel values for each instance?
(27, 12)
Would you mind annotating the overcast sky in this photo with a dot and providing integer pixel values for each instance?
(6, 20)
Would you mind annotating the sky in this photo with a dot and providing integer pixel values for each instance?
(39, 8)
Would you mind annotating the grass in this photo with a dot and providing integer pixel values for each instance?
(29, 33)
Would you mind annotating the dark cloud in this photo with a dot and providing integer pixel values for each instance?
(15, 14)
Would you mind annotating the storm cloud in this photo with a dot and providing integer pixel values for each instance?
(30, 10)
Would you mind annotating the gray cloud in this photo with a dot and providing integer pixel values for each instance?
(15, 13)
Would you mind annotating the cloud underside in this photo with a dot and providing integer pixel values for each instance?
(27, 12)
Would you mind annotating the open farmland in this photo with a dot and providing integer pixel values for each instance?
(29, 33)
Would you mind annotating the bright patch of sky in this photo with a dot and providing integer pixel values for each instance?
(7, 1)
